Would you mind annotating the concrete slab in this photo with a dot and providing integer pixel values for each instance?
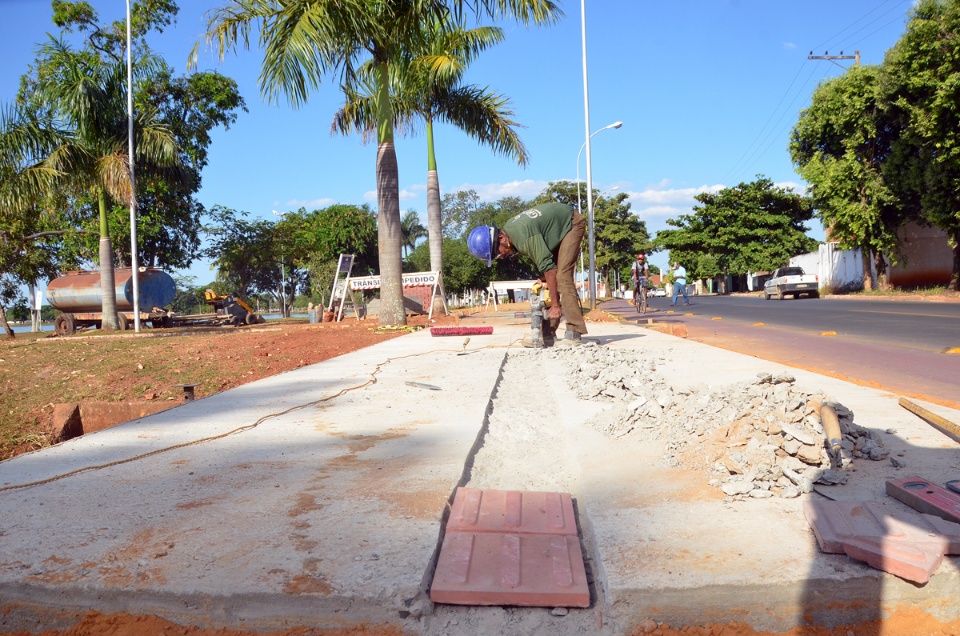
(319, 497)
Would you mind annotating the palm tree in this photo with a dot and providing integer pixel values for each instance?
(306, 40)
(88, 94)
(412, 230)
(426, 86)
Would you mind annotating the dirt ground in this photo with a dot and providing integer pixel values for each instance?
(36, 373)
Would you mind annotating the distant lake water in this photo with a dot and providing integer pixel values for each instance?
(26, 328)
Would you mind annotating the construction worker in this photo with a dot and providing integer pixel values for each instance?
(549, 235)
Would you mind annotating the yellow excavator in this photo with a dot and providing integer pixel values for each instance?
(232, 310)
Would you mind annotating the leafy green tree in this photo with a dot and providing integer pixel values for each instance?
(921, 74)
(306, 40)
(325, 234)
(86, 90)
(751, 227)
(412, 230)
(839, 145)
(168, 214)
(28, 233)
(458, 208)
(245, 253)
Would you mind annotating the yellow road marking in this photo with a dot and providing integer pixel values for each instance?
(828, 333)
(714, 318)
(759, 324)
(951, 350)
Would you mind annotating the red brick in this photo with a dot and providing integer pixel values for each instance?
(489, 568)
(476, 510)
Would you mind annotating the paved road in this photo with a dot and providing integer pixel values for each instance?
(895, 345)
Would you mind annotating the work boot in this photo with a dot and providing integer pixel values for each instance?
(570, 339)
(527, 341)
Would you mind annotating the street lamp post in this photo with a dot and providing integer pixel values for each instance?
(283, 276)
(134, 265)
(590, 238)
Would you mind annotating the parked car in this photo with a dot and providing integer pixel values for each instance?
(657, 291)
(791, 281)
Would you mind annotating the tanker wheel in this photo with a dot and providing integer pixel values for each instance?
(123, 323)
(64, 325)
(251, 319)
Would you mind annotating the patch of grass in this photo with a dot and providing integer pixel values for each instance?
(935, 290)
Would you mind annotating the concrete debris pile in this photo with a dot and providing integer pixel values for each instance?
(752, 439)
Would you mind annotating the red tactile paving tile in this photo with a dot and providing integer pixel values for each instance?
(515, 511)
(491, 568)
(892, 539)
(926, 497)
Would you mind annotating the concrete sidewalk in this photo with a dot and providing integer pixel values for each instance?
(316, 498)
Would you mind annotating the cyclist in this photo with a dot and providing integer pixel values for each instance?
(640, 271)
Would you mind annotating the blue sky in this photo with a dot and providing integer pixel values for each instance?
(707, 91)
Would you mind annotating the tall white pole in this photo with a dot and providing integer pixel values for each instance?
(134, 266)
(586, 117)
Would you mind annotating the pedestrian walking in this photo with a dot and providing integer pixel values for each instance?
(679, 284)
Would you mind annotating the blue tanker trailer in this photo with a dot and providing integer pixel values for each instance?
(79, 298)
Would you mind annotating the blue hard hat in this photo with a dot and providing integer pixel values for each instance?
(482, 241)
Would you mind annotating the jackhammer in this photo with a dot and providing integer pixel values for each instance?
(538, 303)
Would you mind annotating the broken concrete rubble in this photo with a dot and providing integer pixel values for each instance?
(751, 439)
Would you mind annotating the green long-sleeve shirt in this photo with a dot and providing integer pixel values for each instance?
(536, 233)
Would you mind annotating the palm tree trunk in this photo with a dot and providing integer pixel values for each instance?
(434, 217)
(108, 287)
(389, 229)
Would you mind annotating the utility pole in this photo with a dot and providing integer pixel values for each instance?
(831, 58)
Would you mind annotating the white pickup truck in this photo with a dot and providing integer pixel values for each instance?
(791, 281)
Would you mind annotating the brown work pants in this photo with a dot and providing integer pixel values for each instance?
(567, 254)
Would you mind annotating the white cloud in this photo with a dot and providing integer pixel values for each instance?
(790, 46)
(313, 204)
(490, 192)
(676, 197)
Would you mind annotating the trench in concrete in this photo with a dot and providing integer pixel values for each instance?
(523, 369)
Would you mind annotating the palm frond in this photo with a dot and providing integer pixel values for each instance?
(485, 116)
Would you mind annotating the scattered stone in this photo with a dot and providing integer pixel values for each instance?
(763, 435)
(559, 611)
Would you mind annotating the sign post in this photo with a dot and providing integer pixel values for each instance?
(409, 280)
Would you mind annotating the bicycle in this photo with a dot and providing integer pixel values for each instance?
(640, 299)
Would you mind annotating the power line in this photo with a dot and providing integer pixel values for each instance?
(774, 133)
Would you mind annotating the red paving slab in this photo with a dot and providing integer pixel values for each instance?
(890, 538)
(926, 497)
(476, 510)
(510, 547)
(493, 568)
